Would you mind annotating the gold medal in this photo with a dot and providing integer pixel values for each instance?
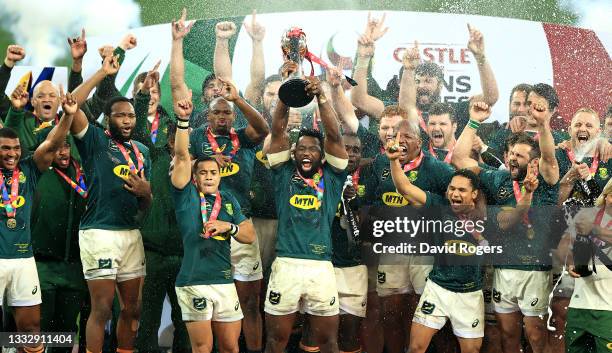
(11, 223)
(530, 233)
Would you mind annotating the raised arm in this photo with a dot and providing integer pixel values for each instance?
(359, 94)
(181, 175)
(78, 48)
(110, 66)
(222, 62)
(257, 32)
(44, 154)
(257, 128)
(14, 54)
(548, 165)
(333, 139)
(509, 217)
(342, 105)
(490, 93)
(409, 191)
(177, 63)
(479, 112)
(408, 90)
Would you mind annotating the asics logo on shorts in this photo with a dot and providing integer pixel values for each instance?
(332, 301)
(427, 307)
(534, 302)
(236, 306)
(256, 266)
(105, 263)
(34, 290)
(199, 303)
(475, 323)
(274, 297)
(382, 277)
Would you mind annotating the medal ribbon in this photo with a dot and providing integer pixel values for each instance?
(43, 124)
(318, 186)
(154, 127)
(214, 213)
(594, 165)
(215, 146)
(81, 187)
(355, 178)
(518, 195)
(413, 164)
(6, 200)
(126, 154)
(449, 155)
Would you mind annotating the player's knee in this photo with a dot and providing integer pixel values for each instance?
(228, 347)
(101, 311)
(275, 338)
(202, 347)
(417, 347)
(29, 324)
(251, 305)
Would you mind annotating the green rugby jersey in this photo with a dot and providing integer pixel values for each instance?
(15, 243)
(304, 223)
(236, 177)
(342, 255)
(519, 251)
(205, 261)
(109, 205)
(601, 176)
(431, 175)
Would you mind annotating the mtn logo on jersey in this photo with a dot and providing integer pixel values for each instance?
(199, 303)
(122, 171)
(230, 169)
(394, 199)
(262, 158)
(304, 202)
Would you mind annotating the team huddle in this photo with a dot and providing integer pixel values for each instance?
(255, 219)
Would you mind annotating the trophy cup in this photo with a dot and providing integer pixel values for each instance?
(292, 91)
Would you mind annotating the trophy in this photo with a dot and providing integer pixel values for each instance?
(292, 91)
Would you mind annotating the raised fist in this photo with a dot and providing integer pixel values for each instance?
(225, 30)
(128, 42)
(479, 111)
(14, 54)
(19, 97)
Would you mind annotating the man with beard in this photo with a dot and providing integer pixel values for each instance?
(441, 130)
(18, 274)
(401, 278)
(453, 290)
(208, 218)
(234, 150)
(351, 273)
(421, 83)
(307, 191)
(112, 253)
(522, 279)
(160, 234)
(519, 120)
(580, 161)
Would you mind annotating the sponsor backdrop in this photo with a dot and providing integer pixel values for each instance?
(576, 61)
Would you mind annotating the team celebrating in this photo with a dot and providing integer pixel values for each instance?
(254, 218)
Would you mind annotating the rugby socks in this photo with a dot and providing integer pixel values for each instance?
(358, 350)
(121, 350)
(38, 349)
(309, 349)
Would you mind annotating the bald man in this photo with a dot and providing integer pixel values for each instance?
(45, 103)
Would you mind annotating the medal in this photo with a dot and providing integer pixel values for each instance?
(8, 199)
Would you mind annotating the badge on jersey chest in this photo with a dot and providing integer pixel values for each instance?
(394, 199)
(413, 175)
(304, 202)
(503, 193)
(230, 169)
(603, 173)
